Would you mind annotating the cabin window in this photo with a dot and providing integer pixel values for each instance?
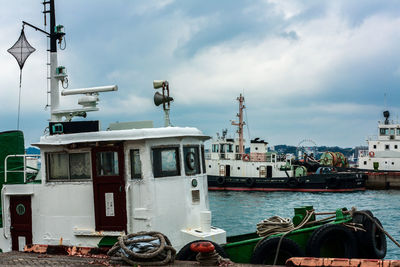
(107, 163)
(136, 165)
(391, 131)
(237, 149)
(166, 162)
(203, 159)
(230, 148)
(223, 148)
(386, 147)
(398, 131)
(191, 160)
(65, 167)
(215, 148)
(384, 131)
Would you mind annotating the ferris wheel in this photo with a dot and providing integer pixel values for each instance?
(306, 146)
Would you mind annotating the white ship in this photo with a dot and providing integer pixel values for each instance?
(230, 168)
(383, 152)
(95, 185)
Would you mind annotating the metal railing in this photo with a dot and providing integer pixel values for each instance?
(17, 169)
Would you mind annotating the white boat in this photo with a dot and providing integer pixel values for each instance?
(383, 152)
(95, 185)
(230, 168)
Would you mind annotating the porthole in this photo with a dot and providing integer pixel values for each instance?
(194, 182)
(209, 166)
(238, 168)
(20, 209)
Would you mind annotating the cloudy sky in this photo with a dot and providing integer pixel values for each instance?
(314, 70)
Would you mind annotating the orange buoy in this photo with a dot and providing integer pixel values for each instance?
(202, 247)
(371, 154)
(246, 157)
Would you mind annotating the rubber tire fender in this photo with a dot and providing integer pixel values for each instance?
(292, 182)
(250, 182)
(340, 234)
(372, 243)
(185, 254)
(221, 180)
(332, 182)
(265, 252)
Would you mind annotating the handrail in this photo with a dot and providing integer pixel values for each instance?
(24, 170)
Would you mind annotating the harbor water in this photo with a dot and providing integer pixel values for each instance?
(239, 212)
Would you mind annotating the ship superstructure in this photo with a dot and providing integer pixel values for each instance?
(383, 152)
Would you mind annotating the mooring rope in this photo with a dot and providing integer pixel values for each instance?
(276, 225)
(152, 248)
(209, 258)
(301, 224)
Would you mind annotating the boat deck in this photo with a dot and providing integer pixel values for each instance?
(16, 258)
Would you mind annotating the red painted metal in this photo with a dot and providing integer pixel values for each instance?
(284, 189)
(203, 247)
(21, 220)
(114, 185)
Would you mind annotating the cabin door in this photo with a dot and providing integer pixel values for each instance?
(109, 188)
(228, 170)
(269, 171)
(21, 221)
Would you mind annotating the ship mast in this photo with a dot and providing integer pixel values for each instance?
(54, 89)
(240, 124)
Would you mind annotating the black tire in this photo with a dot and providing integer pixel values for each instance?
(185, 254)
(292, 182)
(332, 183)
(265, 252)
(221, 180)
(372, 243)
(332, 241)
(250, 182)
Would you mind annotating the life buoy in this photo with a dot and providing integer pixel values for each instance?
(372, 242)
(371, 154)
(186, 254)
(246, 157)
(190, 161)
(220, 180)
(330, 235)
(265, 251)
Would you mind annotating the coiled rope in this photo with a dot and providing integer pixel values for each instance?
(276, 225)
(209, 258)
(143, 248)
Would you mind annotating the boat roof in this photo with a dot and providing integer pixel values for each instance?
(122, 135)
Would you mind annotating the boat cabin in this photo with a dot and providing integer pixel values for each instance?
(97, 185)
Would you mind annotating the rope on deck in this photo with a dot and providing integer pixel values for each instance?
(143, 248)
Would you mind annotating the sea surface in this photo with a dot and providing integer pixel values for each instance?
(239, 212)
